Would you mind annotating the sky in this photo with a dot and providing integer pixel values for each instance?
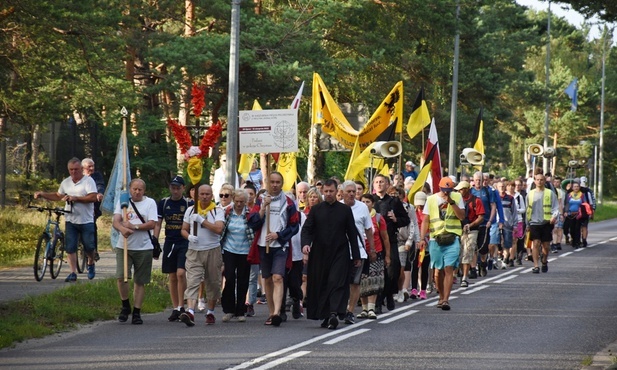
(565, 11)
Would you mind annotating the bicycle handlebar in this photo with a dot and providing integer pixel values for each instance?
(55, 209)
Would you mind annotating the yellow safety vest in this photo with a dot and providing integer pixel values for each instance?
(546, 204)
(450, 223)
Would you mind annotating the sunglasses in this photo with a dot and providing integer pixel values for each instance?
(224, 195)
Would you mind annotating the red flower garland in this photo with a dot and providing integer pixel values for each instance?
(182, 135)
(210, 138)
(198, 99)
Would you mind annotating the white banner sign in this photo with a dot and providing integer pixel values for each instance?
(268, 131)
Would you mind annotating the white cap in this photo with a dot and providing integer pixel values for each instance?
(409, 163)
(583, 181)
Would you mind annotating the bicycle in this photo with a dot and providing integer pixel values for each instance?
(50, 245)
(82, 257)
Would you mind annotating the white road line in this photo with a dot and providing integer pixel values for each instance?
(613, 238)
(476, 289)
(349, 335)
(579, 250)
(505, 279)
(565, 254)
(433, 304)
(280, 361)
(392, 319)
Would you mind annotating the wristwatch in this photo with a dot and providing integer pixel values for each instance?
(136, 227)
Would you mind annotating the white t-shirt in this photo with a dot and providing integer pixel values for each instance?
(278, 209)
(139, 241)
(207, 239)
(296, 242)
(363, 221)
(83, 213)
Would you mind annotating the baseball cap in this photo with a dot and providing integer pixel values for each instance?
(178, 180)
(419, 199)
(446, 183)
(462, 185)
(409, 163)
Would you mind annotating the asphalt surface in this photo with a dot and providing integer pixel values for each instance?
(511, 319)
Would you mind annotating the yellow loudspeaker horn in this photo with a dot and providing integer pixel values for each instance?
(535, 149)
(549, 152)
(387, 149)
(472, 156)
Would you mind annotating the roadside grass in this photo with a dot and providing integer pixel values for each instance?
(21, 228)
(66, 308)
(605, 211)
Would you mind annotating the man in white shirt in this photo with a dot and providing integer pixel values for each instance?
(80, 191)
(202, 225)
(139, 247)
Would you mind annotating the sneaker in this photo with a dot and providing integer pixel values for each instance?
(464, 283)
(511, 263)
(400, 297)
(210, 320)
(175, 316)
(584, 243)
(91, 271)
(296, 309)
(558, 246)
(473, 273)
(413, 294)
(242, 318)
(201, 305)
(567, 239)
(405, 295)
(423, 294)
(124, 314)
(349, 319)
(545, 267)
(429, 288)
(490, 264)
(262, 300)
(371, 315)
(535, 270)
(250, 310)
(187, 318)
(71, 278)
(226, 318)
(136, 319)
(332, 322)
(363, 315)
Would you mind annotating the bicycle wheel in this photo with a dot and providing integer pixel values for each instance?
(40, 258)
(58, 257)
(82, 259)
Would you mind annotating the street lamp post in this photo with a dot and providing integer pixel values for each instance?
(232, 98)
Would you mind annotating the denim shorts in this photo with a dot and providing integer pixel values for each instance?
(495, 237)
(272, 263)
(74, 232)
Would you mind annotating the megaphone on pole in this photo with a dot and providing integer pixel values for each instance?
(472, 157)
(535, 150)
(549, 152)
(387, 149)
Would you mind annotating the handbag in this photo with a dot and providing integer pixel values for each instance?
(156, 251)
(445, 239)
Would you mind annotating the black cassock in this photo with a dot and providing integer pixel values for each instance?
(329, 230)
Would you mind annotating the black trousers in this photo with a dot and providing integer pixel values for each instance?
(237, 272)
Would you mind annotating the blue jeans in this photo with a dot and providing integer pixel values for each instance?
(254, 275)
(75, 231)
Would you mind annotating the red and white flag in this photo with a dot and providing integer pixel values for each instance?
(435, 174)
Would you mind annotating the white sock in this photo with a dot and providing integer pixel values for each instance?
(210, 312)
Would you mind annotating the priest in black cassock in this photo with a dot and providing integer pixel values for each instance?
(327, 235)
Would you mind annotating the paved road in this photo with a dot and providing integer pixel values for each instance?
(511, 319)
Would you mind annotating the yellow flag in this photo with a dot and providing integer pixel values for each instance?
(420, 117)
(246, 160)
(195, 169)
(287, 167)
(478, 133)
(383, 125)
(325, 112)
(422, 176)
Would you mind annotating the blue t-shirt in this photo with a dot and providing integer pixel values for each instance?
(487, 197)
(173, 214)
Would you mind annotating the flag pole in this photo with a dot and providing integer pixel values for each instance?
(124, 113)
(267, 184)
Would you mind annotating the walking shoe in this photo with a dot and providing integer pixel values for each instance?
(423, 294)
(97, 257)
(283, 316)
(210, 320)
(250, 310)
(378, 310)
(332, 322)
(296, 309)
(390, 302)
(405, 295)
(72, 277)
(262, 300)
(226, 318)
(175, 316)
(511, 263)
(349, 319)
(363, 315)
(91, 271)
(136, 319)
(414, 294)
(201, 305)
(519, 261)
(276, 320)
(567, 239)
(535, 270)
(558, 246)
(187, 318)
(400, 297)
(584, 243)
(545, 267)
(371, 315)
(242, 318)
(473, 273)
(464, 283)
(124, 314)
